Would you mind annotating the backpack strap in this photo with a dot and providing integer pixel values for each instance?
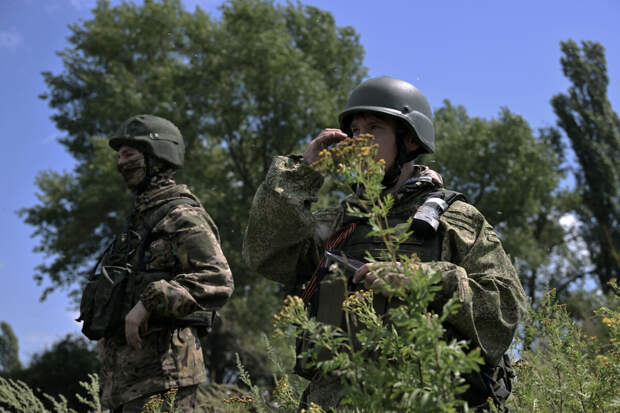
(153, 218)
(426, 217)
(93, 271)
(448, 196)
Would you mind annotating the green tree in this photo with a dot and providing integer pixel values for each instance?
(512, 176)
(260, 80)
(593, 128)
(59, 369)
(9, 349)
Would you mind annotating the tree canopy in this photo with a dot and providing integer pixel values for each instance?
(60, 368)
(512, 176)
(593, 128)
(258, 81)
(9, 349)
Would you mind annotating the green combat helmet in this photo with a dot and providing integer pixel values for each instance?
(153, 135)
(397, 98)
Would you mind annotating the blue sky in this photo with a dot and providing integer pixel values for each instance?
(482, 54)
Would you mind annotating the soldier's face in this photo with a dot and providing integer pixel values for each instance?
(127, 153)
(131, 165)
(384, 131)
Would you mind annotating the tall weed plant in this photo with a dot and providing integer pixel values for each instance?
(561, 369)
(17, 397)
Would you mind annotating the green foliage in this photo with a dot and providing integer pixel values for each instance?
(564, 369)
(286, 388)
(512, 176)
(9, 349)
(20, 398)
(57, 370)
(593, 129)
(259, 80)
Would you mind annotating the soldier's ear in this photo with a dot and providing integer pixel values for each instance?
(412, 143)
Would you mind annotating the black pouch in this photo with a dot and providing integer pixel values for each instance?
(490, 384)
(103, 301)
(203, 321)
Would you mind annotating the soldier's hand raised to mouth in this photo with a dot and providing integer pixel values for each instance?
(323, 141)
(133, 321)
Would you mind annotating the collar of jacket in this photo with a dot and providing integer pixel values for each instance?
(156, 195)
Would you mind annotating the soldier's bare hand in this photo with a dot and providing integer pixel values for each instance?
(375, 276)
(133, 320)
(323, 141)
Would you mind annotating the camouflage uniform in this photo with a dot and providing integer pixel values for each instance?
(182, 270)
(284, 242)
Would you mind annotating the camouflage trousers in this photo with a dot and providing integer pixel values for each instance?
(185, 401)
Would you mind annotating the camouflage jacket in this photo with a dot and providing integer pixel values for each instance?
(182, 270)
(284, 242)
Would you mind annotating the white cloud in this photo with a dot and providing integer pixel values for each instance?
(568, 221)
(11, 39)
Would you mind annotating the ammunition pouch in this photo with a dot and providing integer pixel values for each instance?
(102, 308)
(203, 321)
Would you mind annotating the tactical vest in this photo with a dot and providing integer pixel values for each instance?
(326, 304)
(110, 294)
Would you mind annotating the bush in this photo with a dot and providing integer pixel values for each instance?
(563, 369)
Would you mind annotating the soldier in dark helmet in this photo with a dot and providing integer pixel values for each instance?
(285, 241)
(156, 288)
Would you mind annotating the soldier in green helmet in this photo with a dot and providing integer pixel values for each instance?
(285, 241)
(156, 288)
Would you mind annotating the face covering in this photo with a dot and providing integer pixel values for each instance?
(133, 171)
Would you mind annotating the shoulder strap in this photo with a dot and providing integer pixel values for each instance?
(448, 196)
(425, 221)
(153, 218)
(93, 271)
(335, 241)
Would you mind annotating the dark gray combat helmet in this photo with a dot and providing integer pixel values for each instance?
(154, 136)
(393, 97)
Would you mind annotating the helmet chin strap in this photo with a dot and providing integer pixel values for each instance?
(402, 157)
(147, 175)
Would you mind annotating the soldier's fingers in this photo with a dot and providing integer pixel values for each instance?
(369, 280)
(377, 284)
(361, 273)
(131, 335)
(329, 137)
(323, 141)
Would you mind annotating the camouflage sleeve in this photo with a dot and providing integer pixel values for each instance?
(203, 281)
(281, 237)
(476, 268)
